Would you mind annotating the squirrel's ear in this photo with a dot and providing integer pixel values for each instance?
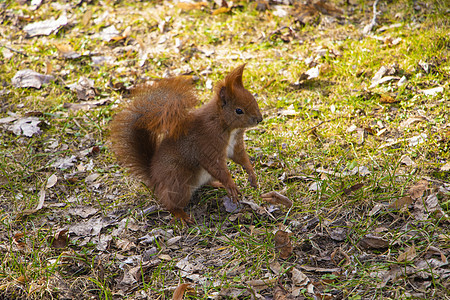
(234, 78)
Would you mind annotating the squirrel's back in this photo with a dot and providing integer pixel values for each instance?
(156, 112)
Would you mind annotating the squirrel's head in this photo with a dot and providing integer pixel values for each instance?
(239, 107)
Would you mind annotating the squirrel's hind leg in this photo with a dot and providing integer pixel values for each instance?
(179, 214)
(175, 196)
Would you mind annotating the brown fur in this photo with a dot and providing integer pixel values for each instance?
(174, 149)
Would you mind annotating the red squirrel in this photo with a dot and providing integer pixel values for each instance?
(174, 148)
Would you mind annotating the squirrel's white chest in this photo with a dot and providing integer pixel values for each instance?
(231, 143)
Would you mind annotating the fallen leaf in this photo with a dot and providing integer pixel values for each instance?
(110, 33)
(276, 198)
(418, 139)
(179, 291)
(416, 191)
(86, 105)
(125, 244)
(353, 188)
(376, 208)
(387, 99)
(408, 255)
(27, 126)
(66, 51)
(230, 205)
(405, 159)
(91, 178)
(87, 16)
(338, 234)
(400, 202)
(402, 81)
(312, 73)
(259, 285)
(64, 162)
(51, 181)
(90, 227)
(84, 211)
(370, 241)
(60, 240)
(280, 293)
(30, 78)
(27, 212)
(221, 10)
(408, 122)
(445, 167)
(283, 242)
(191, 5)
(424, 208)
(84, 88)
(433, 91)
(45, 27)
(299, 278)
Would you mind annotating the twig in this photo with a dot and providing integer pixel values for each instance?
(14, 50)
(368, 28)
(326, 121)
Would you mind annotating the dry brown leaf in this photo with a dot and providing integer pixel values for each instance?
(407, 123)
(386, 99)
(400, 202)
(436, 251)
(408, 255)
(46, 27)
(179, 291)
(373, 242)
(283, 242)
(17, 239)
(29, 78)
(353, 188)
(191, 5)
(259, 285)
(86, 17)
(27, 212)
(60, 240)
(66, 51)
(336, 253)
(221, 10)
(405, 159)
(276, 198)
(125, 244)
(417, 190)
(22, 279)
(280, 293)
(299, 278)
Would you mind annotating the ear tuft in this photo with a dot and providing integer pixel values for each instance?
(234, 78)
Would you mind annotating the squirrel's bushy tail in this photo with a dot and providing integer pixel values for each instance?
(156, 111)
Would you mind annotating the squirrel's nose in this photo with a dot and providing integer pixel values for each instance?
(259, 120)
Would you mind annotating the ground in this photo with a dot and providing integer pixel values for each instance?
(353, 151)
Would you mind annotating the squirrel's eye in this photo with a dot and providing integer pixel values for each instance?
(239, 111)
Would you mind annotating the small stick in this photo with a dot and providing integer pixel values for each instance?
(14, 50)
(372, 24)
(326, 121)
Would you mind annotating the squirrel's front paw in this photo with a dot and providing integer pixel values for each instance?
(253, 181)
(234, 193)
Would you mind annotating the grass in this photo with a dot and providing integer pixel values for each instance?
(304, 139)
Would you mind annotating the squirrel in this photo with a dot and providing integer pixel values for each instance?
(175, 148)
